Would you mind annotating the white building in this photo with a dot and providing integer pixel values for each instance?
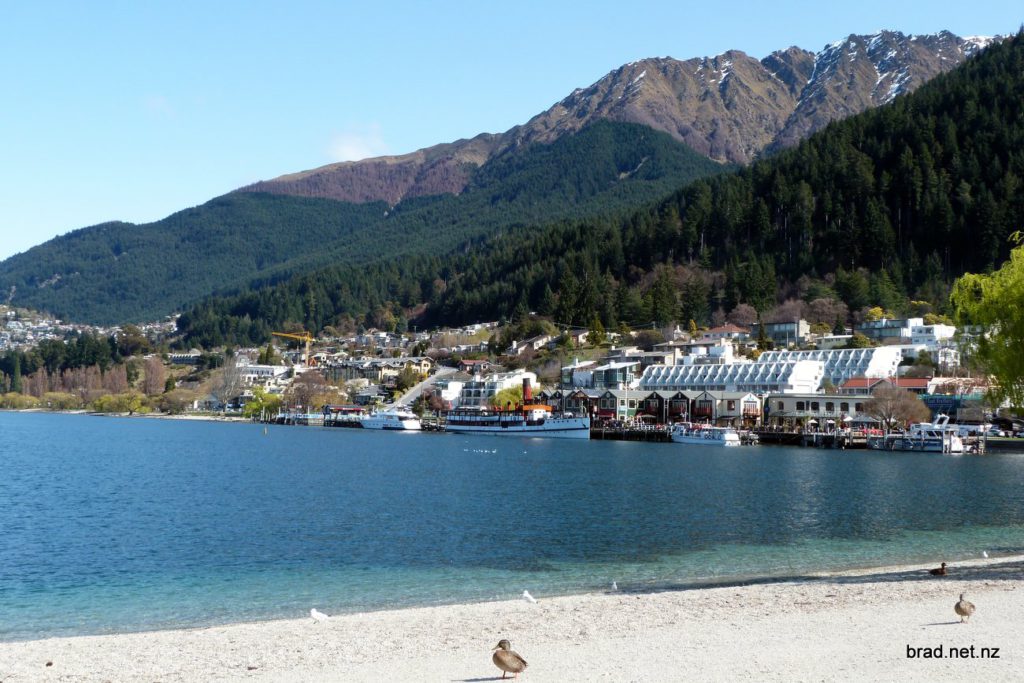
(888, 329)
(842, 364)
(252, 373)
(579, 374)
(449, 391)
(478, 391)
(785, 377)
(931, 335)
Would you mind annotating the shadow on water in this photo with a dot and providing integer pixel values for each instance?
(1006, 571)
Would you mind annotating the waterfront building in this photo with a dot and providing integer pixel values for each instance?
(762, 377)
(620, 404)
(826, 410)
(842, 364)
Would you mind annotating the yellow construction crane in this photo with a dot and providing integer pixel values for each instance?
(303, 336)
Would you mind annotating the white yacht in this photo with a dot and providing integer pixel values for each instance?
(705, 435)
(925, 437)
(397, 418)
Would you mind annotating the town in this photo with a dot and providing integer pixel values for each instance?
(773, 380)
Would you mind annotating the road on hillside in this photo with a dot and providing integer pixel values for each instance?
(409, 397)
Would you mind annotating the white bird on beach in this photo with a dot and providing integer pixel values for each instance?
(984, 553)
(529, 598)
(615, 586)
(318, 615)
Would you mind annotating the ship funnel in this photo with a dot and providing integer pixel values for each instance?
(527, 393)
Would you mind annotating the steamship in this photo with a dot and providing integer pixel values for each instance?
(528, 419)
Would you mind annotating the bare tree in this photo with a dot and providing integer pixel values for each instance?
(744, 315)
(310, 389)
(786, 312)
(155, 376)
(227, 383)
(893, 407)
(827, 311)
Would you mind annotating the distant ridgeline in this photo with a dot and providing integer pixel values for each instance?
(118, 272)
(875, 210)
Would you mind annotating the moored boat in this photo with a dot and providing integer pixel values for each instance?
(705, 435)
(528, 420)
(396, 419)
(923, 437)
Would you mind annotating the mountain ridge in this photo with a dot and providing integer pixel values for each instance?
(732, 108)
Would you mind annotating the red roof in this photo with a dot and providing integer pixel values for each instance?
(912, 382)
(862, 382)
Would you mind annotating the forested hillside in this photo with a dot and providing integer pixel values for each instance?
(879, 209)
(118, 272)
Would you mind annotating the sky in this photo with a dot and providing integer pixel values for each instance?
(134, 110)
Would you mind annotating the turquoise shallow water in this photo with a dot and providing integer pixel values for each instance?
(114, 525)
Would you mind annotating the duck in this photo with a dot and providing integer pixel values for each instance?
(506, 659)
(964, 609)
(938, 571)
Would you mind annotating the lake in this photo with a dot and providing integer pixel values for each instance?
(112, 525)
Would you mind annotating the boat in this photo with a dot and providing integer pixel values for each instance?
(705, 435)
(397, 419)
(923, 437)
(527, 420)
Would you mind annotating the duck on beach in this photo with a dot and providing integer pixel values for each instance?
(506, 659)
(939, 571)
(964, 608)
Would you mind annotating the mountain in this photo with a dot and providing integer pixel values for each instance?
(886, 206)
(119, 272)
(731, 108)
(624, 141)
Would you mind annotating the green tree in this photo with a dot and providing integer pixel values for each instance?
(261, 403)
(994, 302)
(596, 335)
(505, 397)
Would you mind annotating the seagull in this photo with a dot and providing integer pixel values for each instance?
(318, 615)
(506, 659)
(964, 609)
(984, 553)
(615, 586)
(529, 598)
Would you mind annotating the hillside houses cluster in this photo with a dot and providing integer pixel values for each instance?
(22, 330)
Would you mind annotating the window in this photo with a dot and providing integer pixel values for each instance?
(814, 406)
(632, 403)
(830, 407)
(731, 405)
(782, 405)
(859, 407)
(800, 405)
(845, 407)
(622, 402)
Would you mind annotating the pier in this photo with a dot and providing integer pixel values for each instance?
(651, 433)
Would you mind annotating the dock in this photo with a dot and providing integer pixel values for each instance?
(650, 433)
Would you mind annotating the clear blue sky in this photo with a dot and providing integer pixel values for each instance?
(133, 110)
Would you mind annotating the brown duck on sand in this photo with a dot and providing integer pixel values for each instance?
(507, 660)
(964, 609)
(940, 571)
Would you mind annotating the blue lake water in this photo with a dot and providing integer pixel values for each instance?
(113, 524)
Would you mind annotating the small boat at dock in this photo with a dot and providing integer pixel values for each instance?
(705, 435)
